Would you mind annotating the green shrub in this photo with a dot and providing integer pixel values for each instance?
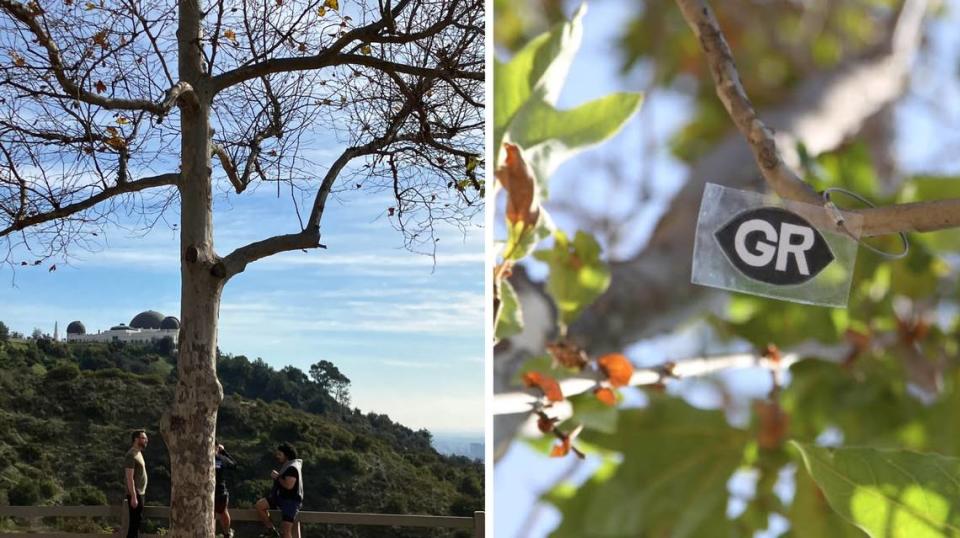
(48, 488)
(26, 492)
(362, 443)
(85, 495)
(465, 506)
(62, 372)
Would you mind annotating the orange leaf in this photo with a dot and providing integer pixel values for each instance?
(562, 449)
(523, 204)
(566, 444)
(116, 142)
(114, 139)
(547, 384)
(568, 354)
(617, 368)
(230, 36)
(606, 395)
(100, 86)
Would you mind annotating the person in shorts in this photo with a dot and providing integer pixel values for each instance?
(221, 496)
(286, 495)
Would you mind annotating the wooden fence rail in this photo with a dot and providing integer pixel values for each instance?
(475, 523)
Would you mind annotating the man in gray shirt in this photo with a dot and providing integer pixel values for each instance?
(135, 481)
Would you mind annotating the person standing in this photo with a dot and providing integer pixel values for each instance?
(286, 494)
(135, 480)
(221, 497)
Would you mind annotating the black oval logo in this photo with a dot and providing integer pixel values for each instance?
(773, 245)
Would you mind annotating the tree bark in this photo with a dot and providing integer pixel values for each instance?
(189, 427)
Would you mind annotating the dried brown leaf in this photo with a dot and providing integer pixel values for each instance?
(523, 204)
(568, 354)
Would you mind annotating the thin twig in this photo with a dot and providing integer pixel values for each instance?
(914, 217)
(524, 401)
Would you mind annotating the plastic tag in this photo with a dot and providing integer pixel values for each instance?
(763, 245)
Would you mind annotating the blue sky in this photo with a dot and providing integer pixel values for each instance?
(407, 333)
(927, 137)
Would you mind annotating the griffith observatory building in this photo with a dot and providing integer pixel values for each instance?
(145, 327)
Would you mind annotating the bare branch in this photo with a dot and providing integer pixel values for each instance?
(326, 59)
(331, 176)
(383, 65)
(23, 14)
(66, 211)
(915, 217)
(180, 92)
(730, 90)
(240, 182)
(236, 262)
(228, 166)
(153, 39)
(527, 400)
(927, 216)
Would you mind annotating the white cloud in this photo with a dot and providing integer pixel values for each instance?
(145, 258)
(434, 410)
(402, 259)
(447, 312)
(414, 364)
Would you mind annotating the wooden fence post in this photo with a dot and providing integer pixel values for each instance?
(478, 524)
(124, 519)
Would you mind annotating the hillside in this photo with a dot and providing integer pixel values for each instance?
(66, 412)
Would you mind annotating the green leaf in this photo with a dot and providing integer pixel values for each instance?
(522, 239)
(577, 274)
(889, 493)
(811, 516)
(925, 189)
(538, 71)
(510, 321)
(941, 429)
(761, 321)
(867, 401)
(550, 136)
(593, 413)
(672, 481)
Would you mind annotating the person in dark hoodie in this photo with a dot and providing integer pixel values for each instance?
(221, 497)
(286, 494)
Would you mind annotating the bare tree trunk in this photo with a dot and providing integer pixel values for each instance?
(190, 426)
